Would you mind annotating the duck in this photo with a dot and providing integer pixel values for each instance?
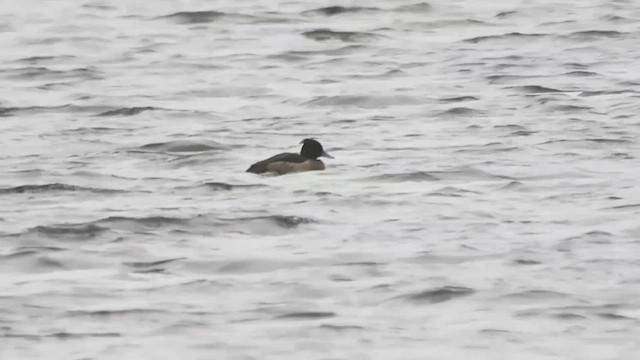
(286, 163)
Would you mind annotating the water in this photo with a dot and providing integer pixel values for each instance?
(482, 201)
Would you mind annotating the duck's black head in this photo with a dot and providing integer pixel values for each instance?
(311, 149)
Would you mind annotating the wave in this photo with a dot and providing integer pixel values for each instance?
(6, 112)
(56, 187)
(624, 207)
(203, 17)
(184, 146)
(464, 173)
(224, 186)
(307, 315)
(461, 111)
(62, 335)
(386, 74)
(146, 264)
(100, 313)
(341, 327)
(90, 230)
(402, 177)
(194, 17)
(607, 92)
(439, 295)
(69, 231)
(452, 191)
(201, 224)
(501, 79)
(505, 14)
(526, 262)
(458, 99)
(508, 36)
(44, 73)
(581, 73)
(537, 294)
(421, 7)
(595, 34)
(364, 101)
(337, 10)
(20, 254)
(513, 185)
(535, 89)
(591, 140)
(220, 186)
(344, 50)
(64, 109)
(147, 221)
(467, 173)
(571, 108)
(262, 225)
(282, 221)
(595, 235)
(39, 59)
(128, 111)
(346, 36)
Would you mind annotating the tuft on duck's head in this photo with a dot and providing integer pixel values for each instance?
(312, 149)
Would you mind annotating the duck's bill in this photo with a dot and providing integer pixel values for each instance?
(325, 154)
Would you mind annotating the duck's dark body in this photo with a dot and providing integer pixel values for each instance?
(289, 162)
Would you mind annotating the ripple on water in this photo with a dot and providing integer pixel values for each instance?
(527, 262)
(200, 224)
(209, 187)
(458, 99)
(6, 112)
(402, 177)
(460, 111)
(421, 7)
(149, 264)
(364, 101)
(194, 17)
(439, 295)
(340, 328)
(340, 51)
(207, 16)
(70, 231)
(346, 36)
(63, 335)
(178, 146)
(535, 89)
(307, 315)
(607, 92)
(589, 35)
(45, 73)
(508, 79)
(514, 36)
(337, 10)
(587, 143)
(570, 108)
(217, 186)
(55, 187)
(288, 222)
(31, 261)
(537, 295)
(37, 59)
(581, 73)
(506, 14)
(128, 111)
(452, 191)
(115, 312)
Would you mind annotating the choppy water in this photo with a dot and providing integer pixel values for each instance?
(482, 202)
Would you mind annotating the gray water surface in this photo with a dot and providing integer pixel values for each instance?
(482, 203)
